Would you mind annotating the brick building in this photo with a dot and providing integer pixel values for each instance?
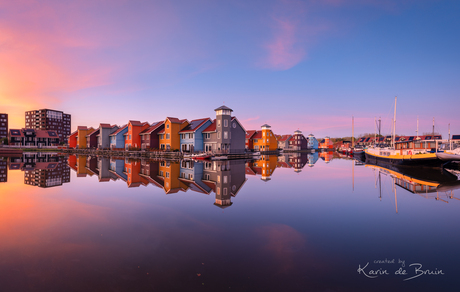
(47, 119)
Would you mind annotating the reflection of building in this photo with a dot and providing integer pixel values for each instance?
(3, 126)
(225, 178)
(326, 156)
(283, 161)
(298, 161)
(3, 171)
(46, 119)
(103, 166)
(264, 167)
(42, 170)
(312, 158)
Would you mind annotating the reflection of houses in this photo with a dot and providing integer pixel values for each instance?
(132, 170)
(326, 156)
(117, 168)
(298, 161)
(81, 166)
(191, 174)
(169, 173)
(312, 158)
(91, 165)
(31, 137)
(149, 136)
(42, 170)
(191, 137)
(103, 167)
(169, 136)
(283, 161)
(264, 167)
(225, 134)
(225, 178)
(3, 171)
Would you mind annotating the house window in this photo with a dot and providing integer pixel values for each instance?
(225, 135)
(218, 135)
(225, 179)
(218, 123)
(167, 174)
(225, 123)
(162, 163)
(167, 126)
(218, 178)
(167, 136)
(225, 191)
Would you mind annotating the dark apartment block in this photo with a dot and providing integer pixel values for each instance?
(3, 126)
(47, 119)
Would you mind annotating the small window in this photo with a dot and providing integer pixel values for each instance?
(225, 123)
(167, 126)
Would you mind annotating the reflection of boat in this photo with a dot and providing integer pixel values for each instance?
(420, 181)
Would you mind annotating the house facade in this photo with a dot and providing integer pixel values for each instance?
(191, 137)
(150, 138)
(103, 139)
(283, 141)
(82, 132)
(132, 136)
(298, 141)
(312, 142)
(91, 139)
(31, 137)
(225, 134)
(117, 138)
(169, 136)
(264, 140)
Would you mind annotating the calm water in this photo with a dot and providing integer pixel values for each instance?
(289, 223)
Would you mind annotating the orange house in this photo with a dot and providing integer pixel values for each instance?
(264, 167)
(133, 137)
(326, 143)
(72, 141)
(169, 136)
(264, 140)
(169, 172)
(82, 132)
(132, 170)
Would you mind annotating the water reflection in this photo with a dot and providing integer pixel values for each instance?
(429, 183)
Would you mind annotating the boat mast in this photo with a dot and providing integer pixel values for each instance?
(394, 124)
(375, 131)
(433, 129)
(417, 128)
(352, 131)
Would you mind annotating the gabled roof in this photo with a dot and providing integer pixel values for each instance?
(152, 128)
(250, 133)
(176, 120)
(194, 125)
(258, 135)
(94, 132)
(82, 128)
(119, 130)
(105, 125)
(211, 128)
(74, 133)
(241, 125)
(47, 134)
(138, 124)
(284, 138)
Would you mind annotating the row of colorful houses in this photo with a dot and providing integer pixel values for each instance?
(224, 134)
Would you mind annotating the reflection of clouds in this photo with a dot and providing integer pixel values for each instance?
(283, 243)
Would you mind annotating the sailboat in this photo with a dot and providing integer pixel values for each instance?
(412, 153)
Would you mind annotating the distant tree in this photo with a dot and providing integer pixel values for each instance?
(4, 141)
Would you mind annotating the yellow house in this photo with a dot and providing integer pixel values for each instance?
(264, 140)
(81, 136)
(169, 136)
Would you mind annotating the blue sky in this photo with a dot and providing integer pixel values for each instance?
(308, 65)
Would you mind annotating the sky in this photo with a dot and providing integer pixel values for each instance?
(296, 65)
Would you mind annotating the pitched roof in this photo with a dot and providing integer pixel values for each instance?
(105, 125)
(176, 120)
(152, 128)
(16, 133)
(284, 138)
(258, 135)
(211, 128)
(137, 123)
(47, 134)
(194, 125)
(250, 133)
(119, 130)
(82, 128)
(94, 132)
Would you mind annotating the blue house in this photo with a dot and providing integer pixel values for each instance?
(117, 138)
(191, 174)
(191, 137)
